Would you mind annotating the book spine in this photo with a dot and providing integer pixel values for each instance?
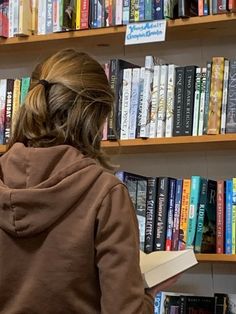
(225, 97)
(197, 101)
(84, 18)
(206, 7)
(207, 96)
(184, 214)
(234, 6)
(132, 11)
(78, 14)
(34, 17)
(189, 87)
(202, 102)
(231, 105)
(170, 215)
(126, 10)
(193, 210)
(155, 101)
(161, 114)
(100, 8)
(179, 100)
(114, 64)
(3, 90)
(216, 95)
(5, 18)
(200, 7)
(11, 21)
(148, 10)
(16, 102)
(220, 217)
(125, 111)
(150, 214)
(141, 209)
(134, 103)
(214, 6)
(119, 12)
(9, 108)
(25, 84)
(42, 17)
(140, 106)
(228, 216)
(49, 17)
(161, 216)
(16, 5)
(177, 209)
(234, 216)
(141, 10)
(56, 15)
(158, 10)
(230, 5)
(170, 101)
(201, 216)
(148, 80)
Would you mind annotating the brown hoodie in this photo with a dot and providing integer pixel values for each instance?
(68, 236)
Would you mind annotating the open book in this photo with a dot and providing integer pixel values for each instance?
(159, 266)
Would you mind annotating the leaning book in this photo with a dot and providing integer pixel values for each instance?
(159, 266)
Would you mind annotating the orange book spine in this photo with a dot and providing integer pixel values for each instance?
(184, 214)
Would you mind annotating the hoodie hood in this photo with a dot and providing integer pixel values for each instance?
(40, 185)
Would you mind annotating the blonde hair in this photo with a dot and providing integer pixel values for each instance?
(71, 109)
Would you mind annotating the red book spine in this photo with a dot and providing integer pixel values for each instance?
(230, 5)
(220, 217)
(200, 7)
(84, 14)
(5, 19)
(233, 5)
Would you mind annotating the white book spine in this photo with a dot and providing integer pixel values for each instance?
(125, 111)
(225, 97)
(56, 16)
(155, 101)
(170, 100)
(161, 114)
(140, 102)
(11, 20)
(134, 103)
(119, 12)
(202, 102)
(147, 91)
(196, 102)
(42, 17)
(16, 6)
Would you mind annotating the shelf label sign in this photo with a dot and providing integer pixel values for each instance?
(147, 32)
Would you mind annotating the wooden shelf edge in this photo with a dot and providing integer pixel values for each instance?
(216, 258)
(172, 25)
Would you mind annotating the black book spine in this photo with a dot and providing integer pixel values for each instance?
(179, 101)
(161, 214)
(8, 111)
(189, 90)
(114, 64)
(184, 8)
(150, 214)
(132, 11)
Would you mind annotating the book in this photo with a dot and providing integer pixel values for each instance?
(157, 267)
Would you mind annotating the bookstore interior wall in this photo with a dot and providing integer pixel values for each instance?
(206, 278)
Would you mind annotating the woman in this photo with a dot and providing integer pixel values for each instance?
(68, 232)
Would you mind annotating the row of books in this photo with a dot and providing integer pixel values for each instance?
(12, 94)
(176, 303)
(26, 17)
(168, 100)
(175, 214)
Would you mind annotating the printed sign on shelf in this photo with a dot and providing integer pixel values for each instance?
(147, 32)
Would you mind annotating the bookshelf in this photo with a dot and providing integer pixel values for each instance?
(108, 43)
(179, 29)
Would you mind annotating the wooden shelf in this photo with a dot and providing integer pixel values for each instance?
(173, 144)
(216, 25)
(216, 258)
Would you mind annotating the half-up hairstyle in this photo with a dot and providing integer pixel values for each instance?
(68, 102)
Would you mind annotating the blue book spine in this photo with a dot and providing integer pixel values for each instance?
(170, 214)
(157, 303)
(158, 10)
(193, 210)
(228, 217)
(141, 10)
(126, 5)
(201, 216)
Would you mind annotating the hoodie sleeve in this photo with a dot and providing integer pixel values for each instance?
(117, 257)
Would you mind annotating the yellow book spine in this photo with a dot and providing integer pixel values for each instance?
(184, 214)
(25, 18)
(78, 13)
(16, 102)
(34, 17)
